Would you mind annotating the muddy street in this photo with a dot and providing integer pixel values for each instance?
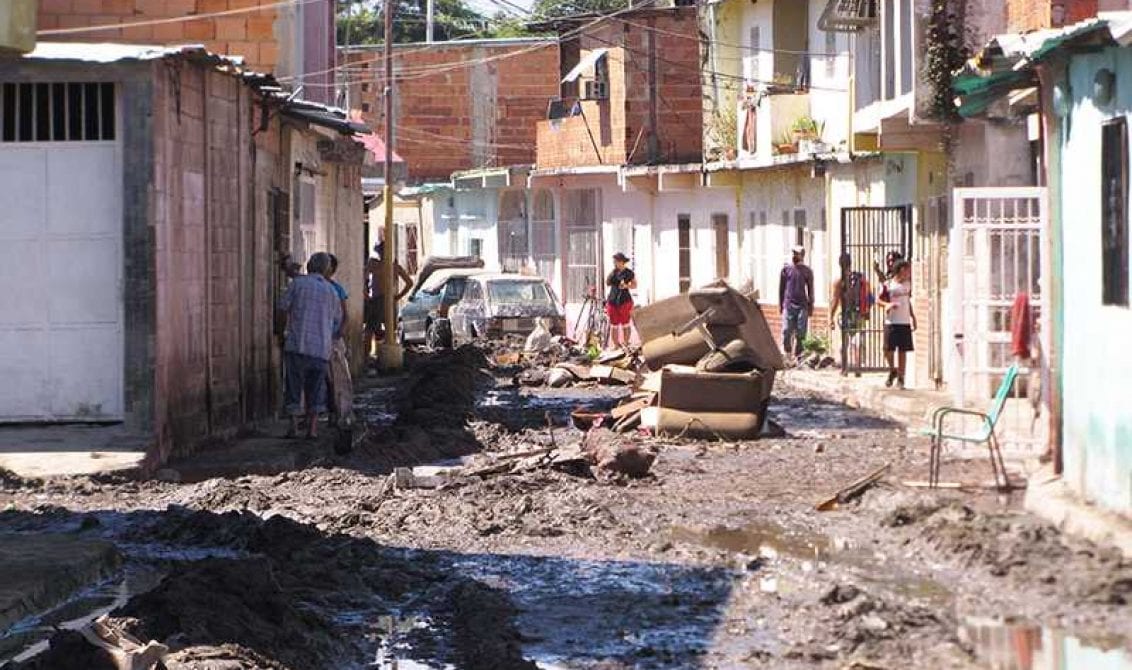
(491, 555)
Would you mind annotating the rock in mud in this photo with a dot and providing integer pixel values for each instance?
(615, 455)
(485, 636)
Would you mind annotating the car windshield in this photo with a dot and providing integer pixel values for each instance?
(508, 292)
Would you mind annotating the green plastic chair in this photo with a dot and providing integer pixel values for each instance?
(984, 435)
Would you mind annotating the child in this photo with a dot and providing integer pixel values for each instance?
(899, 321)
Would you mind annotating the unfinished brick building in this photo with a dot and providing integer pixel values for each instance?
(631, 93)
(294, 42)
(459, 105)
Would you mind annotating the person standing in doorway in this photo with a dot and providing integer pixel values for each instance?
(312, 312)
(341, 385)
(899, 321)
(619, 303)
(854, 298)
(795, 302)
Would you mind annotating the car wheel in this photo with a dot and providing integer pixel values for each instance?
(439, 334)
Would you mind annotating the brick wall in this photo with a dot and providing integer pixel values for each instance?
(622, 127)
(1025, 15)
(265, 38)
(819, 322)
(459, 105)
(217, 361)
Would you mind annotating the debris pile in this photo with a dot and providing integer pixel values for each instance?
(711, 362)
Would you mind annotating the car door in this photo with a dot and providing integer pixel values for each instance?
(457, 312)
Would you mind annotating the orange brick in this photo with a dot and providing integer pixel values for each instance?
(47, 22)
(123, 8)
(200, 30)
(140, 34)
(150, 8)
(249, 50)
(268, 56)
(231, 28)
(74, 21)
(180, 7)
(209, 6)
(169, 32)
(55, 7)
(88, 6)
(261, 28)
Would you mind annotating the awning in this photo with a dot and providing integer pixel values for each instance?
(585, 64)
(1007, 62)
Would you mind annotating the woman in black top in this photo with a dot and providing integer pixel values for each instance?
(619, 304)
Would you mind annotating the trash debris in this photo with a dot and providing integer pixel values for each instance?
(853, 490)
(539, 339)
(127, 652)
(705, 389)
(612, 454)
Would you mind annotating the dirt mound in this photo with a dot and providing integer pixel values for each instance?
(441, 389)
(485, 638)
(224, 601)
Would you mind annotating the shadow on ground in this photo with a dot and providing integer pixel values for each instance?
(276, 593)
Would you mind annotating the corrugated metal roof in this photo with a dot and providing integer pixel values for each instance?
(265, 84)
(1007, 61)
(111, 53)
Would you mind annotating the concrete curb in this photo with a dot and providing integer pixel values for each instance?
(1049, 497)
(910, 407)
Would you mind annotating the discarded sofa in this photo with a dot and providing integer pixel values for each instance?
(714, 361)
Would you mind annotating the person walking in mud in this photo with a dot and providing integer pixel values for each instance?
(899, 321)
(795, 302)
(341, 385)
(375, 296)
(619, 302)
(312, 311)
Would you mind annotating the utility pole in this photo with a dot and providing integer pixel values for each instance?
(391, 357)
(428, 20)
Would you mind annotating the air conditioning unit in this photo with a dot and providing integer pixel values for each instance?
(596, 90)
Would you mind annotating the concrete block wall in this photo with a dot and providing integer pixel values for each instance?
(459, 105)
(217, 360)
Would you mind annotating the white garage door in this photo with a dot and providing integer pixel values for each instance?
(61, 342)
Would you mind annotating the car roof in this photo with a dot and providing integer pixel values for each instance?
(437, 279)
(504, 276)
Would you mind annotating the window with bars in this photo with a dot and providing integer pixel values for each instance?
(544, 247)
(1114, 212)
(57, 112)
(684, 232)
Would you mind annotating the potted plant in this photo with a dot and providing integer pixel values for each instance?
(808, 135)
(786, 144)
(725, 133)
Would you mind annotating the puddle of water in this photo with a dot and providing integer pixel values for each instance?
(1007, 644)
(767, 539)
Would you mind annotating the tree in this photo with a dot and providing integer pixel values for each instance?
(361, 21)
(560, 8)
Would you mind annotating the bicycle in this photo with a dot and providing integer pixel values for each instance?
(592, 317)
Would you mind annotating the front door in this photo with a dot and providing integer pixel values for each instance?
(61, 328)
(996, 243)
(867, 235)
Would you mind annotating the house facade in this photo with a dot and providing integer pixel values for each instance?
(155, 308)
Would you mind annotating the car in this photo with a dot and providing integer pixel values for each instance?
(493, 305)
(440, 284)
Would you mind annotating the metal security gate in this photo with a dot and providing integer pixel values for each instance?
(996, 249)
(867, 235)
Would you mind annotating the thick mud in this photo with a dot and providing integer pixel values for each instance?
(717, 559)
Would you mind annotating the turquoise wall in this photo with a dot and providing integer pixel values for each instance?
(1096, 359)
